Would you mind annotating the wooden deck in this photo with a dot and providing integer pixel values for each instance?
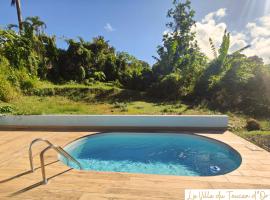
(16, 182)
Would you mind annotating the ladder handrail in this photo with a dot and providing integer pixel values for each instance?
(30, 150)
(68, 156)
(58, 149)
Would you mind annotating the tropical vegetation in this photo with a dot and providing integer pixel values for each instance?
(34, 69)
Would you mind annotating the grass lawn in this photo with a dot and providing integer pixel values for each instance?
(27, 105)
(80, 99)
(261, 138)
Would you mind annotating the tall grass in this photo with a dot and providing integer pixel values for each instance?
(7, 91)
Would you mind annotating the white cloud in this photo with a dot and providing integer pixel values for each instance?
(221, 12)
(209, 27)
(238, 41)
(260, 28)
(108, 27)
(257, 34)
(214, 15)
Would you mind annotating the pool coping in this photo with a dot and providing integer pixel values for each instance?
(254, 172)
(114, 122)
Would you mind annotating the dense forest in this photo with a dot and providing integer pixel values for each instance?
(229, 82)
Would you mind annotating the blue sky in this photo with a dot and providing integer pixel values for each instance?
(136, 26)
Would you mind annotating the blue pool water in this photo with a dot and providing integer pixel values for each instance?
(153, 153)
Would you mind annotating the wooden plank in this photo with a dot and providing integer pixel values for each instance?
(84, 185)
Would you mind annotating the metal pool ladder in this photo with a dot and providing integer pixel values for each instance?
(58, 149)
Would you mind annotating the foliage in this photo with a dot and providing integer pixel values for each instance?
(100, 63)
(231, 82)
(215, 69)
(168, 87)
(253, 125)
(180, 52)
(81, 74)
(32, 56)
(6, 109)
(99, 76)
(137, 75)
(7, 92)
(121, 106)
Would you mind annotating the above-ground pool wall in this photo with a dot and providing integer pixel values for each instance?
(116, 122)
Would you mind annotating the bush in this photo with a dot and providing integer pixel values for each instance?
(89, 81)
(167, 110)
(99, 76)
(168, 87)
(7, 92)
(115, 83)
(81, 74)
(6, 109)
(42, 92)
(253, 125)
(29, 85)
(121, 106)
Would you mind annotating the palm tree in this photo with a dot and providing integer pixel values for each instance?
(19, 14)
(36, 24)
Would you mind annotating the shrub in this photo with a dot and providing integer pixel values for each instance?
(121, 106)
(81, 74)
(253, 125)
(28, 85)
(168, 87)
(89, 81)
(43, 92)
(166, 110)
(115, 83)
(13, 79)
(6, 109)
(99, 76)
(7, 92)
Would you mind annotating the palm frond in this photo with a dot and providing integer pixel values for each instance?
(224, 48)
(241, 50)
(13, 2)
(213, 48)
(11, 26)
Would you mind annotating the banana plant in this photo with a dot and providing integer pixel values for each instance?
(222, 61)
(219, 66)
(223, 52)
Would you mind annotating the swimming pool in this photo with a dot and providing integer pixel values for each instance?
(153, 153)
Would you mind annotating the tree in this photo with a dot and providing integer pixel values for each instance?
(134, 74)
(17, 3)
(218, 67)
(180, 52)
(243, 87)
(35, 24)
(235, 82)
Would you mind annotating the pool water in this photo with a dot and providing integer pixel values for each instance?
(153, 153)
